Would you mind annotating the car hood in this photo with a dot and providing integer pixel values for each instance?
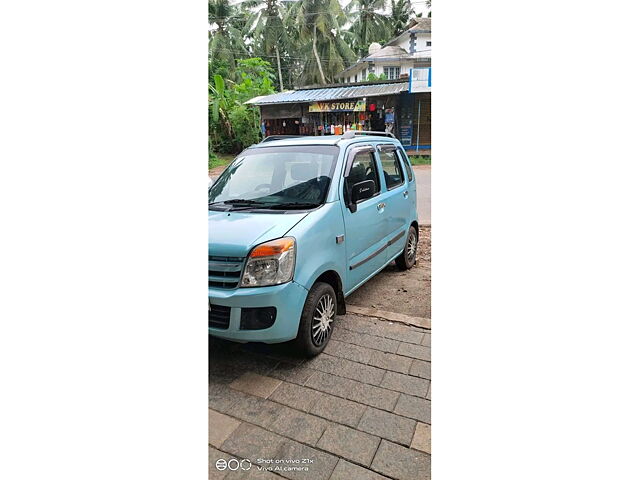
(234, 234)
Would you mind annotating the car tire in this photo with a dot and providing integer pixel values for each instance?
(407, 258)
(316, 321)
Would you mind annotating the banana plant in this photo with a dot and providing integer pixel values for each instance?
(219, 106)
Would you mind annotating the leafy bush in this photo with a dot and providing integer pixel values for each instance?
(372, 77)
(213, 161)
(232, 124)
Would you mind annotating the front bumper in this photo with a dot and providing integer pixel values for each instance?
(288, 299)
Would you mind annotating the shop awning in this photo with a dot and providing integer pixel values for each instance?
(333, 93)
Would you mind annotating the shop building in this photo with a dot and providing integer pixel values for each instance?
(402, 107)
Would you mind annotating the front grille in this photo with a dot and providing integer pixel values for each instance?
(219, 316)
(224, 272)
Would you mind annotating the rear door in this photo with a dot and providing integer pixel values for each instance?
(365, 229)
(397, 199)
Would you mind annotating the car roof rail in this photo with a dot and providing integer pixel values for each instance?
(271, 138)
(353, 133)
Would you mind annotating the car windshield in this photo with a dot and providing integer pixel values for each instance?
(273, 177)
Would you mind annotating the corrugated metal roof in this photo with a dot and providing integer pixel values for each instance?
(334, 93)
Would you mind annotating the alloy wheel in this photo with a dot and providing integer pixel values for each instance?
(412, 247)
(322, 319)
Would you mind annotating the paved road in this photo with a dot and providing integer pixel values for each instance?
(423, 179)
(360, 410)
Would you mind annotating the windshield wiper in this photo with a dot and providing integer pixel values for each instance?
(292, 205)
(237, 201)
(242, 201)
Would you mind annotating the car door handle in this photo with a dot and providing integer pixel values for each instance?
(405, 194)
(381, 206)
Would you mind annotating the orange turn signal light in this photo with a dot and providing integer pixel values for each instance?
(275, 247)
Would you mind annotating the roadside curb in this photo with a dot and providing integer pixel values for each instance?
(391, 316)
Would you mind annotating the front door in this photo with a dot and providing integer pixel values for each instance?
(365, 228)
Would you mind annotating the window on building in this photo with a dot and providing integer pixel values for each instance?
(428, 43)
(363, 75)
(392, 73)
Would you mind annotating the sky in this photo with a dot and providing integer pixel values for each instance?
(420, 6)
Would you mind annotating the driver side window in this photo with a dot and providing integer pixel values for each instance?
(363, 168)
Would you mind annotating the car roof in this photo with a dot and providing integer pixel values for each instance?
(324, 140)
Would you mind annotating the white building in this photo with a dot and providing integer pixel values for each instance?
(410, 49)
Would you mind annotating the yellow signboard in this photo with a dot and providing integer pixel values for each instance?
(344, 106)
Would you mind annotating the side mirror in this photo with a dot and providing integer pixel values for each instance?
(361, 191)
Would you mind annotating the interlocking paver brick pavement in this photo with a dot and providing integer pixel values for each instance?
(414, 407)
(338, 410)
(401, 462)
(390, 361)
(255, 384)
(220, 427)
(249, 441)
(295, 396)
(354, 445)
(422, 438)
(298, 425)
(347, 369)
(405, 384)
(416, 351)
(321, 467)
(348, 471)
(255, 410)
(420, 368)
(366, 340)
(292, 373)
(353, 390)
(387, 425)
(360, 410)
(214, 456)
(349, 351)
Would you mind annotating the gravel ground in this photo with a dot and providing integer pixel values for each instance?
(406, 292)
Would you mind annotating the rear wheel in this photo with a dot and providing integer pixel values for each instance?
(316, 322)
(407, 258)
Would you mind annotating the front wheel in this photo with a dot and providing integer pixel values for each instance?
(407, 258)
(316, 322)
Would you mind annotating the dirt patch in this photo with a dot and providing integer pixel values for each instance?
(217, 171)
(406, 292)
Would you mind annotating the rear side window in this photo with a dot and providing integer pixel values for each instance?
(363, 168)
(407, 165)
(391, 168)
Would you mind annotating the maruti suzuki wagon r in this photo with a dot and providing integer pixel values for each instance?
(298, 224)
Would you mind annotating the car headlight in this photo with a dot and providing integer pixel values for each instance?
(270, 263)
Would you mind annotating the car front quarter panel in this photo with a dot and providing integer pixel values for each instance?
(320, 244)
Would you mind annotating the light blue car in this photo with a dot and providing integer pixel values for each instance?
(298, 224)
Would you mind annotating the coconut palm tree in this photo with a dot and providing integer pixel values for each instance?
(317, 27)
(401, 11)
(369, 23)
(226, 42)
(265, 24)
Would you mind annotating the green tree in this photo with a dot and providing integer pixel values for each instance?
(266, 26)
(401, 11)
(226, 41)
(232, 124)
(369, 23)
(219, 105)
(318, 28)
